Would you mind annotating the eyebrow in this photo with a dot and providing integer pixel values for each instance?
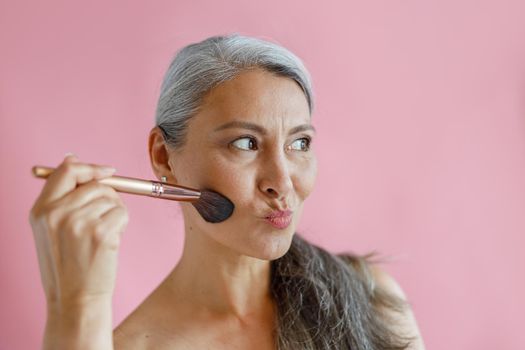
(259, 129)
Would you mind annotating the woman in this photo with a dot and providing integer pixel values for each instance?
(234, 115)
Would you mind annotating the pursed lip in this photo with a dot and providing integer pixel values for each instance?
(279, 219)
(279, 214)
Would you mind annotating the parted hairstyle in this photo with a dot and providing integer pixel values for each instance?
(324, 300)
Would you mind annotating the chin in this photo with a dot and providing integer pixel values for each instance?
(271, 246)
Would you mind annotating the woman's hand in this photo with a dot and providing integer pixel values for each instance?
(77, 223)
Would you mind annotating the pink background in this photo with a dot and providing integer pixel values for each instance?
(421, 144)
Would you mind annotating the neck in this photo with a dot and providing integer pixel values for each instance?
(212, 276)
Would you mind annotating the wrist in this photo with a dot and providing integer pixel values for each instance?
(80, 325)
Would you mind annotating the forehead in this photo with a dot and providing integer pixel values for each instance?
(256, 96)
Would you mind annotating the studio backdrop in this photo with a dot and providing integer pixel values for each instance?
(420, 117)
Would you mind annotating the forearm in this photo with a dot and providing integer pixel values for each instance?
(80, 328)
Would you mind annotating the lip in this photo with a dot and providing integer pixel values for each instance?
(279, 218)
(279, 213)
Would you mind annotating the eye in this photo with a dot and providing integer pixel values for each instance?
(302, 144)
(245, 143)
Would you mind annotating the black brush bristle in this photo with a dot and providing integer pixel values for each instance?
(213, 206)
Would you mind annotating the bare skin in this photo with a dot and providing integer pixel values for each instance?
(218, 294)
(217, 297)
(77, 223)
(221, 283)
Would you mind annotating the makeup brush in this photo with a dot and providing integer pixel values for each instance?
(213, 206)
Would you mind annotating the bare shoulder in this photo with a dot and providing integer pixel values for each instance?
(384, 280)
(129, 336)
(133, 334)
(153, 325)
(406, 321)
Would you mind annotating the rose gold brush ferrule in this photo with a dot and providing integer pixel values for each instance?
(138, 186)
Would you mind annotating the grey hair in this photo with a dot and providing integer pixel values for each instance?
(328, 301)
(324, 301)
(199, 67)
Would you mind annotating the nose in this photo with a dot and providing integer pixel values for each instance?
(276, 181)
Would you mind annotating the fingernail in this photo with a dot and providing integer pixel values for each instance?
(70, 154)
(107, 170)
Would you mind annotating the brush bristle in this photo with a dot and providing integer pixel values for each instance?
(213, 206)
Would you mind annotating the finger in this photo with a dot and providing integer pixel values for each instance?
(94, 210)
(111, 226)
(81, 225)
(70, 157)
(86, 193)
(68, 175)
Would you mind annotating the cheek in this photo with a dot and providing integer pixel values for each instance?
(305, 177)
(228, 178)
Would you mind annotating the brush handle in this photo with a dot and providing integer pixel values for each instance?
(137, 186)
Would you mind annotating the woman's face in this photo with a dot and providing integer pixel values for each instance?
(250, 142)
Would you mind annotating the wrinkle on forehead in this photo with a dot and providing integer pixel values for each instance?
(260, 97)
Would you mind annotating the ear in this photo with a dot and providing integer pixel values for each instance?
(159, 155)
